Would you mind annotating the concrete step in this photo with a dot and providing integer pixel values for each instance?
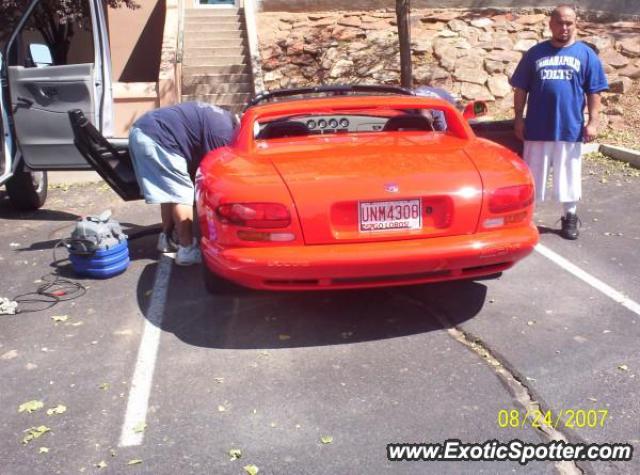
(204, 88)
(193, 25)
(217, 43)
(214, 23)
(214, 36)
(213, 78)
(212, 12)
(207, 16)
(204, 85)
(230, 99)
(191, 51)
(188, 71)
(201, 30)
(212, 60)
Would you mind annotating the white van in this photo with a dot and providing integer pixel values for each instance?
(52, 61)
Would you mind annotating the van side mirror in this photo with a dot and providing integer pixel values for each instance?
(40, 55)
(475, 109)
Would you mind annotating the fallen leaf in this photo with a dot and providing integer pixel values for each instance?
(139, 427)
(235, 454)
(251, 469)
(284, 337)
(60, 318)
(623, 367)
(30, 406)
(9, 355)
(326, 439)
(101, 464)
(104, 386)
(43, 450)
(59, 409)
(34, 433)
(134, 462)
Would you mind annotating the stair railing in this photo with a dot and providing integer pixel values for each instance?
(254, 52)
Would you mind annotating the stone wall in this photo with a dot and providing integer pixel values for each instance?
(471, 53)
(617, 7)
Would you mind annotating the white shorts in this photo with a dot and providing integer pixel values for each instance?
(566, 160)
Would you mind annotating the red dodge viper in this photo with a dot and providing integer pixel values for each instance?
(357, 188)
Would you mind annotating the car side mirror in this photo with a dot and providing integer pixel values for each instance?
(475, 109)
(40, 55)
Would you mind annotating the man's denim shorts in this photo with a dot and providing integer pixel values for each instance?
(163, 176)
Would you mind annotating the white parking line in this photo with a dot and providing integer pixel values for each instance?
(136, 415)
(589, 279)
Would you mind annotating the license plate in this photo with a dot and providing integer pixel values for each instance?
(389, 215)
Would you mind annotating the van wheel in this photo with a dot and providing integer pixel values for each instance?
(216, 285)
(27, 189)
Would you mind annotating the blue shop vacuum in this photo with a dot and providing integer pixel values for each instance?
(97, 247)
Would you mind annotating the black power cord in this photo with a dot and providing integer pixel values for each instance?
(56, 289)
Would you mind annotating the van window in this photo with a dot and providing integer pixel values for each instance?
(62, 27)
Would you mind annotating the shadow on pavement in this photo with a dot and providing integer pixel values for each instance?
(8, 212)
(256, 320)
(548, 230)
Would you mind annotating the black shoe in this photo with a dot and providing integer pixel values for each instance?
(570, 226)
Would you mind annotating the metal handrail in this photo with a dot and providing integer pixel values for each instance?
(180, 45)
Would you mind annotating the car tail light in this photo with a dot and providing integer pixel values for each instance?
(511, 198)
(254, 215)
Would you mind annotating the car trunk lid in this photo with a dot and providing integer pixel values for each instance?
(355, 188)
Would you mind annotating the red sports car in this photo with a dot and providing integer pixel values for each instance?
(359, 190)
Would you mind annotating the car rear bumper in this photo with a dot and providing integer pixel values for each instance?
(373, 264)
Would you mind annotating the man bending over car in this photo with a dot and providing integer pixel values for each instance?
(167, 145)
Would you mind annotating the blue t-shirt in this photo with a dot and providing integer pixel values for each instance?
(189, 129)
(557, 80)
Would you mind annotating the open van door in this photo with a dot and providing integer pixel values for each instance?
(57, 59)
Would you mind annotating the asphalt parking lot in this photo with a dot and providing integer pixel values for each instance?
(157, 376)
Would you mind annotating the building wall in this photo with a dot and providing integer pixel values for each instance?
(626, 7)
(135, 37)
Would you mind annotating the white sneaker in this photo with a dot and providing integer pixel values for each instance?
(189, 255)
(166, 243)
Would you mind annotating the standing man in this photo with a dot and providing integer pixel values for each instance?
(552, 79)
(167, 145)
